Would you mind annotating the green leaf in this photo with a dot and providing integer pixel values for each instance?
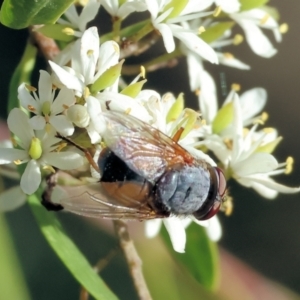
(13, 284)
(214, 32)
(21, 74)
(68, 252)
(201, 256)
(21, 14)
(250, 4)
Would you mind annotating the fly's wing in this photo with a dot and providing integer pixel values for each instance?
(93, 201)
(146, 150)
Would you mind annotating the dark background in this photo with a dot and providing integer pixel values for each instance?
(264, 233)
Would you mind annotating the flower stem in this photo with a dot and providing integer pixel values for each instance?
(163, 61)
(133, 260)
(141, 33)
(116, 29)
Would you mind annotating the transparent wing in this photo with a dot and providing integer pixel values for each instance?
(144, 149)
(93, 201)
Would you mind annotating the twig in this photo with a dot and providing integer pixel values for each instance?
(100, 265)
(133, 260)
(46, 45)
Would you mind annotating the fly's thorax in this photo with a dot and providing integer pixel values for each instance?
(183, 189)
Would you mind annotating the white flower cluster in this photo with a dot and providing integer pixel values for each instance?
(85, 81)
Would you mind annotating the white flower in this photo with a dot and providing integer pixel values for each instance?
(37, 150)
(251, 21)
(74, 20)
(251, 167)
(116, 9)
(164, 22)
(47, 110)
(176, 229)
(77, 24)
(88, 63)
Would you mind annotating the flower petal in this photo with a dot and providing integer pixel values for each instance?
(18, 123)
(152, 228)
(62, 125)
(26, 100)
(64, 99)
(8, 155)
(11, 199)
(176, 232)
(88, 13)
(89, 53)
(45, 87)
(31, 178)
(214, 229)
(67, 79)
(37, 122)
(256, 163)
(63, 160)
(167, 36)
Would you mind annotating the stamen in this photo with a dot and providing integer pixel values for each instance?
(289, 165)
(236, 87)
(68, 31)
(90, 52)
(228, 55)
(264, 19)
(217, 11)
(127, 111)
(86, 92)
(238, 39)
(197, 92)
(61, 146)
(31, 108)
(48, 127)
(228, 143)
(49, 168)
(17, 162)
(284, 28)
(143, 72)
(14, 142)
(268, 130)
(201, 29)
(30, 88)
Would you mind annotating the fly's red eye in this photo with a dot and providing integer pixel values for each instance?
(222, 182)
(214, 210)
(215, 195)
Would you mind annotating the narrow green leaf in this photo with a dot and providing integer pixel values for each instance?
(21, 14)
(250, 4)
(216, 31)
(13, 285)
(68, 252)
(21, 74)
(201, 256)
